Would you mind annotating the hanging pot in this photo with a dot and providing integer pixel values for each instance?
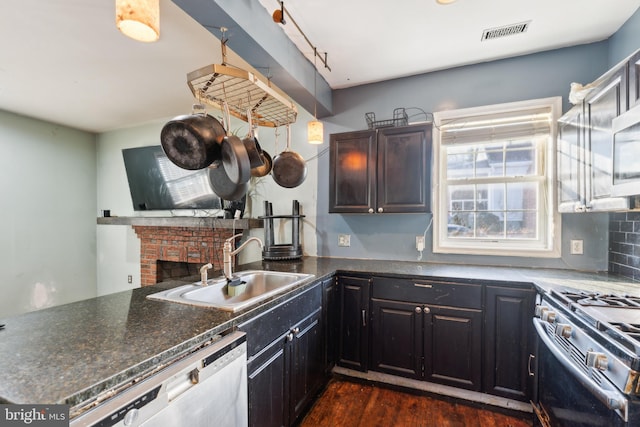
(223, 186)
(192, 141)
(289, 168)
(266, 166)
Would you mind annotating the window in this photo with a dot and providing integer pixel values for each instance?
(496, 175)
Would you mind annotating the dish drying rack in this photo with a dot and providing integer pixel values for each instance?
(243, 93)
(400, 118)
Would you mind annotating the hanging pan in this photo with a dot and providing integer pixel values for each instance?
(251, 144)
(289, 168)
(192, 141)
(235, 158)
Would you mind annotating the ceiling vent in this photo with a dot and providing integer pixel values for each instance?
(507, 30)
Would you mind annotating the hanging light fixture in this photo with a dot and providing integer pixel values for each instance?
(139, 19)
(314, 127)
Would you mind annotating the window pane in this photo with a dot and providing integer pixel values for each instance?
(460, 162)
(525, 228)
(490, 224)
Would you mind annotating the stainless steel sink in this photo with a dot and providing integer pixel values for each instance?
(255, 286)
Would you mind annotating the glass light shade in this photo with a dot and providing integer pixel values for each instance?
(445, 1)
(139, 19)
(314, 132)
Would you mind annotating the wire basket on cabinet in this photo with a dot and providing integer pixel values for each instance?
(400, 118)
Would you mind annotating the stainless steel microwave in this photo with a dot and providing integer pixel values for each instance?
(626, 153)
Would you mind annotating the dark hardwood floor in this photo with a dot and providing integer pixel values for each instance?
(346, 403)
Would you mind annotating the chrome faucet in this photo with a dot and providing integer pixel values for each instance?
(228, 253)
(203, 273)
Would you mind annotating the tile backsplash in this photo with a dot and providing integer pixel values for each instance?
(624, 244)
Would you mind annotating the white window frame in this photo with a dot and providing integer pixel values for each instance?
(548, 243)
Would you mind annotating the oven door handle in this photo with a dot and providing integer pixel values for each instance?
(612, 399)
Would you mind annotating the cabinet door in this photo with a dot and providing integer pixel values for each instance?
(602, 105)
(571, 189)
(453, 347)
(634, 80)
(354, 322)
(404, 169)
(509, 336)
(330, 323)
(396, 338)
(266, 386)
(352, 172)
(306, 364)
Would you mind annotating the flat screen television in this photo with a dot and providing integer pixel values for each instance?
(156, 183)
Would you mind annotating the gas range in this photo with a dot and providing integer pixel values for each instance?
(615, 317)
(591, 354)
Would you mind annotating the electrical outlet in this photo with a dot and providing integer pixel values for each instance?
(344, 240)
(420, 243)
(129, 279)
(577, 247)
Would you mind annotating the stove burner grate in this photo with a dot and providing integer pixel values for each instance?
(601, 300)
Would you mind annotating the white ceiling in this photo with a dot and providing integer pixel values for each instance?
(65, 62)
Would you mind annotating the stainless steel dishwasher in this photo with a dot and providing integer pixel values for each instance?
(206, 388)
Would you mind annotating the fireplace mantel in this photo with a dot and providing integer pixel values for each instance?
(182, 221)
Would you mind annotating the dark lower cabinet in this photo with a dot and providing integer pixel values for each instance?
(396, 338)
(330, 322)
(453, 346)
(285, 359)
(354, 322)
(509, 339)
(437, 344)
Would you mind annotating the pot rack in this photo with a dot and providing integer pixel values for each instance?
(242, 92)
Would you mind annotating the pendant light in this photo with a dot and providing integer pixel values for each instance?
(314, 127)
(139, 19)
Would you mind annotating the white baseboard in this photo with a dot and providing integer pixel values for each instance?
(469, 395)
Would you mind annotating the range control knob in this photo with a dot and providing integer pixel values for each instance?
(563, 330)
(597, 360)
(548, 316)
(540, 309)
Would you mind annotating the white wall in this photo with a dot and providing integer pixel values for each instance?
(47, 215)
(118, 247)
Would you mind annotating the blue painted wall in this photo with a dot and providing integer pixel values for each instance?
(546, 74)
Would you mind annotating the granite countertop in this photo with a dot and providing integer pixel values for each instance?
(76, 353)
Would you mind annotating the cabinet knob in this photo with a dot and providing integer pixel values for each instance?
(290, 337)
(295, 330)
(370, 210)
(380, 210)
(418, 310)
(426, 310)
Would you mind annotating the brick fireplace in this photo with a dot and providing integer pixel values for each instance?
(180, 249)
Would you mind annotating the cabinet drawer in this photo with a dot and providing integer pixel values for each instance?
(428, 292)
(268, 326)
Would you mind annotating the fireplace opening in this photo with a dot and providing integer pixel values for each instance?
(171, 269)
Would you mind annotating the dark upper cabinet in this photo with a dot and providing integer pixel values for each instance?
(634, 80)
(381, 171)
(354, 322)
(509, 339)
